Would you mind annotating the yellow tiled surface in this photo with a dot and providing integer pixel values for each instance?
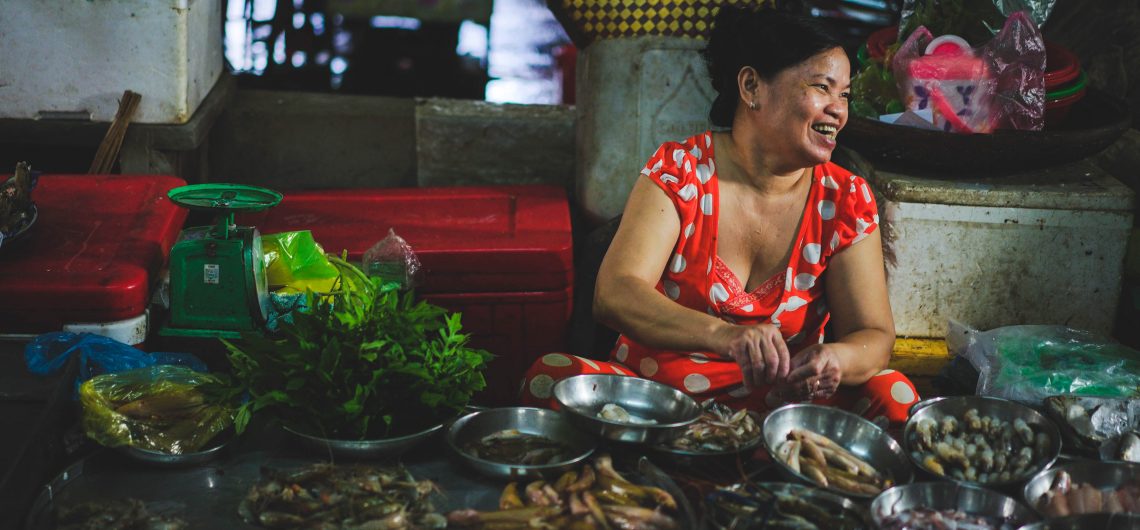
(921, 360)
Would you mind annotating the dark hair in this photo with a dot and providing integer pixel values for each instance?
(769, 41)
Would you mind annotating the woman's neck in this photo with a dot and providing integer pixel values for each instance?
(754, 166)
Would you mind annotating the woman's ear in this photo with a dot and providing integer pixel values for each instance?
(750, 86)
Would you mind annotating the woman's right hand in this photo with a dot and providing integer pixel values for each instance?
(759, 350)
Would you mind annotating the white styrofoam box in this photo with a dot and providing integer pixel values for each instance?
(633, 95)
(74, 59)
(1038, 248)
(130, 331)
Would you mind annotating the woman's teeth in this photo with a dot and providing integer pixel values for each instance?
(829, 130)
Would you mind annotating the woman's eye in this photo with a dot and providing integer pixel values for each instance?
(846, 95)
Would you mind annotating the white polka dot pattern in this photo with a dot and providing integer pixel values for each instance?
(697, 383)
(588, 362)
(622, 353)
(811, 254)
(669, 179)
(678, 157)
(687, 193)
(902, 393)
(718, 294)
(541, 385)
(672, 290)
(707, 204)
(648, 367)
(826, 210)
(834, 240)
(699, 358)
(678, 265)
(704, 173)
(830, 183)
(804, 281)
(689, 229)
(556, 360)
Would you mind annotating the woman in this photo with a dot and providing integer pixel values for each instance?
(737, 247)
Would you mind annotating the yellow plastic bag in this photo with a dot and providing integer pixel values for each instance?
(295, 262)
(159, 408)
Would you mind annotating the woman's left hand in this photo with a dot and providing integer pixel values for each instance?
(815, 373)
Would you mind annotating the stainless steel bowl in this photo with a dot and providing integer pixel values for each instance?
(863, 438)
(1089, 521)
(949, 496)
(1100, 474)
(583, 396)
(385, 448)
(213, 449)
(1002, 409)
(839, 510)
(541, 422)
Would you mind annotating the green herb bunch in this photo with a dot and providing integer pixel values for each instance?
(365, 361)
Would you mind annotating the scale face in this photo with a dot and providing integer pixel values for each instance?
(218, 286)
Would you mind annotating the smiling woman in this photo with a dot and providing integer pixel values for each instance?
(716, 276)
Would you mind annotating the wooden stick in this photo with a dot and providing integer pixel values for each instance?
(108, 151)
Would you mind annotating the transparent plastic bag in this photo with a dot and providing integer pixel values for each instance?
(160, 408)
(392, 260)
(999, 85)
(1029, 363)
(296, 262)
(48, 353)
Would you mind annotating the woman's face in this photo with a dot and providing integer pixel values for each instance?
(803, 108)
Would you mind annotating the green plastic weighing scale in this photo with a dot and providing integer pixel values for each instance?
(218, 286)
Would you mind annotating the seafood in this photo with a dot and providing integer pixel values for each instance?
(718, 429)
(1129, 450)
(596, 496)
(125, 514)
(1067, 498)
(978, 448)
(615, 412)
(747, 506)
(923, 518)
(510, 446)
(828, 464)
(341, 497)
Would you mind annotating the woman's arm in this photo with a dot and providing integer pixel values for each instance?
(626, 298)
(856, 288)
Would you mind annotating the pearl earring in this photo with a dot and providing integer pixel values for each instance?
(752, 105)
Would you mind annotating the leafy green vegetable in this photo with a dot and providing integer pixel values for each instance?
(366, 361)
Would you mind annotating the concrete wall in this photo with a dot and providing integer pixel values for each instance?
(289, 140)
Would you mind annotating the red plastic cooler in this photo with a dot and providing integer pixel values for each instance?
(501, 255)
(92, 256)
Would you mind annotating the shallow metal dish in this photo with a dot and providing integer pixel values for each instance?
(835, 505)
(1002, 409)
(363, 449)
(949, 496)
(1089, 521)
(213, 449)
(863, 438)
(1100, 474)
(541, 422)
(583, 396)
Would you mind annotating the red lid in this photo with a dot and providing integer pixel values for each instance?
(94, 253)
(468, 239)
(1061, 65)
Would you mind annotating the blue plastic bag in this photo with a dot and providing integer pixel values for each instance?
(47, 354)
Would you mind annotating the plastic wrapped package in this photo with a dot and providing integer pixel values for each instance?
(392, 260)
(49, 352)
(999, 85)
(1029, 363)
(160, 408)
(295, 261)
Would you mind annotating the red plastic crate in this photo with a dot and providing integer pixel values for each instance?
(93, 254)
(501, 255)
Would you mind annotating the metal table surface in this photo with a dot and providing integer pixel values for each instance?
(207, 496)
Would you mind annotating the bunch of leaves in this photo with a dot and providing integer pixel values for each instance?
(974, 20)
(874, 92)
(364, 361)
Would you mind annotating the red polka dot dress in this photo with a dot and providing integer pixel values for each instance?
(840, 211)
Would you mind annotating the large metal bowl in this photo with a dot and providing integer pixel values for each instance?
(1100, 474)
(213, 449)
(385, 448)
(583, 396)
(859, 436)
(541, 422)
(1002, 409)
(1089, 521)
(949, 496)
